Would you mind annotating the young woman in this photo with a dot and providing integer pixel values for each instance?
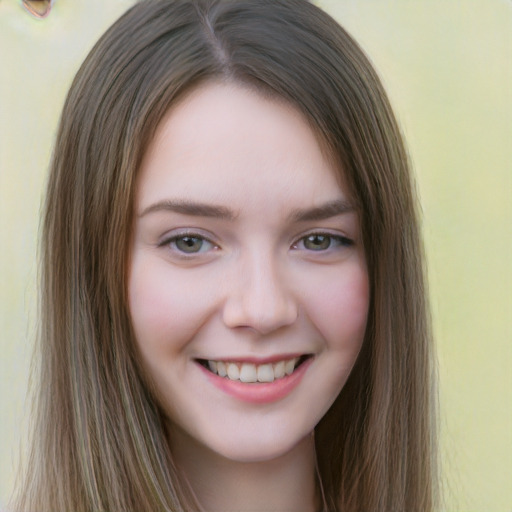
(233, 303)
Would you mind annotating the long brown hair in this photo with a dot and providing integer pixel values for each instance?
(99, 442)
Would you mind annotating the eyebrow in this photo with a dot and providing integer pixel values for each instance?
(324, 211)
(190, 208)
(196, 209)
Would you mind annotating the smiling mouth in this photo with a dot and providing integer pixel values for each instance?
(254, 373)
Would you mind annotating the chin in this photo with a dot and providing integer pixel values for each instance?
(260, 448)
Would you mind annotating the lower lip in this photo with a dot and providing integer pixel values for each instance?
(259, 392)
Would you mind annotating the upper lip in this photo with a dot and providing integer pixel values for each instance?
(257, 360)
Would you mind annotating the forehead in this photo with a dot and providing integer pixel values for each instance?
(223, 141)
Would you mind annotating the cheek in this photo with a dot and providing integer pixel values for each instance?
(165, 309)
(339, 308)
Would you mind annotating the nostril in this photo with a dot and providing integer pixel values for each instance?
(259, 297)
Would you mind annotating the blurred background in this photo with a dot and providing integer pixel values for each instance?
(447, 65)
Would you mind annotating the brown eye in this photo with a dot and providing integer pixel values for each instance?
(38, 8)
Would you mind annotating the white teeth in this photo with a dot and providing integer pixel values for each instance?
(233, 371)
(279, 370)
(221, 369)
(251, 373)
(265, 373)
(289, 366)
(248, 373)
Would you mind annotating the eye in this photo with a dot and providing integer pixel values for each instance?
(322, 242)
(189, 244)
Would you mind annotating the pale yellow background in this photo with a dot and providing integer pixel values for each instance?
(447, 66)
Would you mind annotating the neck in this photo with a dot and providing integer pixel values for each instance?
(220, 484)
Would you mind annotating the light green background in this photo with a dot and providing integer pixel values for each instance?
(448, 67)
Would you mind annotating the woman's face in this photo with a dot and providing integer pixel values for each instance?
(248, 288)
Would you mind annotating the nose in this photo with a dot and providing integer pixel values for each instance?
(259, 297)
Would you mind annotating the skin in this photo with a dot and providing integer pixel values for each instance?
(276, 268)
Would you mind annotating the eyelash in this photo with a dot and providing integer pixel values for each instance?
(168, 242)
(339, 240)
